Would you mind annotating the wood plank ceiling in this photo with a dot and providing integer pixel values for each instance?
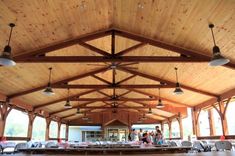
(138, 24)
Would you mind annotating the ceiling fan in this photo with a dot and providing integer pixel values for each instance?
(114, 65)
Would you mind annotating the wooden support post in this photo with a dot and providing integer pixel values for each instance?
(59, 128)
(129, 123)
(31, 116)
(180, 126)
(102, 127)
(211, 122)
(222, 109)
(170, 129)
(48, 121)
(4, 111)
(162, 127)
(195, 117)
(193, 121)
(67, 132)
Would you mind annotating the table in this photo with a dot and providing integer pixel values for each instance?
(6, 145)
(175, 154)
(105, 151)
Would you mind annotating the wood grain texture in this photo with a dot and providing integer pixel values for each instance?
(43, 24)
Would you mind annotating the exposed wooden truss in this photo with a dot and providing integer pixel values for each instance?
(114, 99)
(74, 107)
(226, 95)
(185, 55)
(170, 47)
(58, 82)
(165, 81)
(99, 59)
(156, 97)
(112, 86)
(65, 44)
(188, 55)
(64, 99)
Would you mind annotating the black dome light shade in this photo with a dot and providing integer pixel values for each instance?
(217, 59)
(6, 57)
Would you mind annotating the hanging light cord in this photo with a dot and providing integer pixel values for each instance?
(211, 27)
(68, 94)
(159, 94)
(176, 74)
(50, 74)
(9, 40)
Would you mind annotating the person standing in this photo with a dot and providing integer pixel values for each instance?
(159, 138)
(145, 138)
(140, 134)
(134, 135)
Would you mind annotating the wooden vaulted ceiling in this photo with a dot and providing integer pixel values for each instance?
(84, 30)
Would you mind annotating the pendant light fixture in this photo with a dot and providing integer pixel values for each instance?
(139, 120)
(144, 117)
(48, 91)
(90, 121)
(178, 90)
(85, 118)
(6, 57)
(150, 111)
(217, 59)
(67, 104)
(78, 111)
(160, 104)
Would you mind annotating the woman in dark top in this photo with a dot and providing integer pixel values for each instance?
(145, 138)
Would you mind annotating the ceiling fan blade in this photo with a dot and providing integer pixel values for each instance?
(96, 65)
(135, 68)
(131, 63)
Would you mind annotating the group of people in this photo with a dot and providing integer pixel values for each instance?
(147, 137)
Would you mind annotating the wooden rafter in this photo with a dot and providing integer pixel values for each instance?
(64, 99)
(74, 107)
(110, 99)
(166, 109)
(64, 44)
(92, 48)
(212, 101)
(123, 107)
(78, 86)
(125, 93)
(226, 106)
(101, 79)
(165, 81)
(58, 82)
(113, 42)
(123, 52)
(99, 59)
(86, 111)
(167, 46)
(207, 103)
(103, 93)
(156, 97)
(145, 111)
(126, 79)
